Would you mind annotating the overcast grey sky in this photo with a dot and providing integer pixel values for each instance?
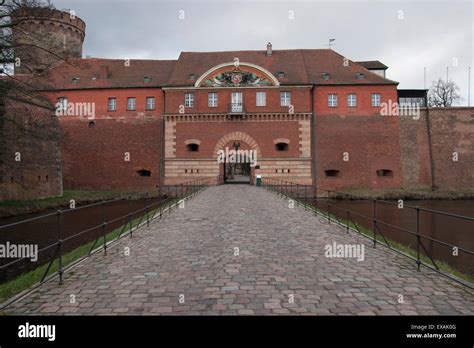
(405, 35)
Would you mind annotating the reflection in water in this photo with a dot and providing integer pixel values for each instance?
(451, 230)
(75, 227)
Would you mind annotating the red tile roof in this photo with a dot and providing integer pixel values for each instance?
(373, 64)
(110, 73)
(300, 67)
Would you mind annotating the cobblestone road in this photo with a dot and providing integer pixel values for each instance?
(281, 257)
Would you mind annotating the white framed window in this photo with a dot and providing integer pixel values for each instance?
(189, 100)
(112, 104)
(285, 98)
(236, 104)
(261, 98)
(150, 103)
(131, 103)
(212, 99)
(351, 100)
(332, 100)
(375, 99)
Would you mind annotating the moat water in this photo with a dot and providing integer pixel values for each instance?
(43, 231)
(451, 230)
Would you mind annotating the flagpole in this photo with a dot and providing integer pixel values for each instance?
(469, 88)
(424, 77)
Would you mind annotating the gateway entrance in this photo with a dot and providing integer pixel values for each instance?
(237, 173)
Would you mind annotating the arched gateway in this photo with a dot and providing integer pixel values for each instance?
(237, 154)
(238, 107)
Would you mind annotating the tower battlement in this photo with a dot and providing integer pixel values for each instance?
(43, 36)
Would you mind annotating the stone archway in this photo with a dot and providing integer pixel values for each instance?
(236, 136)
(248, 141)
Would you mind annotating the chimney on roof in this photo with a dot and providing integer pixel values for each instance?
(269, 49)
(104, 72)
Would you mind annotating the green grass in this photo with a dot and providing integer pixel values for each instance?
(410, 194)
(29, 279)
(442, 265)
(64, 199)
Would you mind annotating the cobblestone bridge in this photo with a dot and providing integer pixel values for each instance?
(238, 249)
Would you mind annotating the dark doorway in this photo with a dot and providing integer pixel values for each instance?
(237, 173)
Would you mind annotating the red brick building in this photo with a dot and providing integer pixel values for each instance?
(173, 116)
(311, 116)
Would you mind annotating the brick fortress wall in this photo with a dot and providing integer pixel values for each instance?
(30, 163)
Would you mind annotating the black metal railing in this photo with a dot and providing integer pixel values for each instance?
(236, 108)
(220, 179)
(100, 224)
(319, 200)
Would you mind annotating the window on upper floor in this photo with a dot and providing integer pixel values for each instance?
(351, 100)
(285, 98)
(112, 104)
(212, 99)
(131, 103)
(375, 99)
(261, 98)
(189, 100)
(411, 101)
(150, 103)
(332, 100)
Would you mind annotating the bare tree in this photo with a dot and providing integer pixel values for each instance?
(443, 93)
(25, 88)
(27, 120)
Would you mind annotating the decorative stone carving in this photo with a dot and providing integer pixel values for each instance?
(236, 78)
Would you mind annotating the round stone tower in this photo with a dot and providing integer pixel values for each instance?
(44, 36)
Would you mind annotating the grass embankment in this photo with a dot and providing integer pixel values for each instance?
(12, 208)
(411, 194)
(443, 266)
(29, 279)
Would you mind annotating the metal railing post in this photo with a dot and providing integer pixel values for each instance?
(297, 196)
(329, 207)
(375, 220)
(316, 200)
(146, 210)
(347, 220)
(104, 225)
(161, 200)
(170, 204)
(304, 197)
(60, 242)
(418, 261)
(176, 192)
(130, 214)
